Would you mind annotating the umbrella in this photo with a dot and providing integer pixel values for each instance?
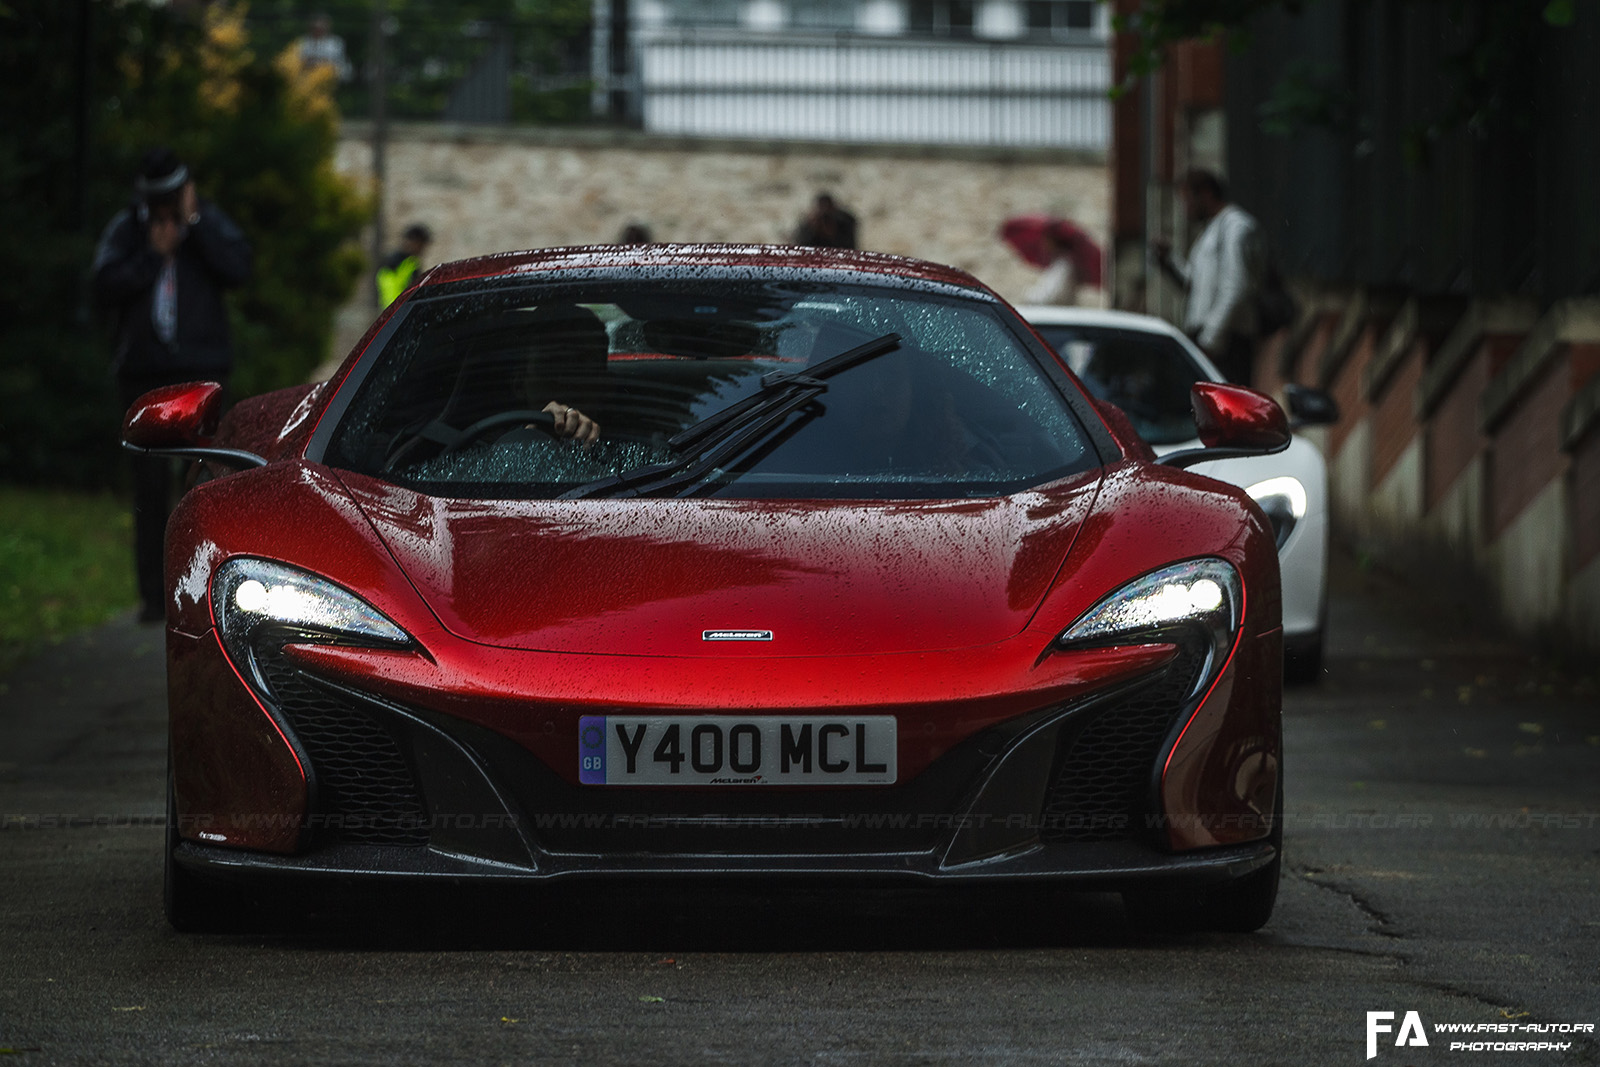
(1026, 235)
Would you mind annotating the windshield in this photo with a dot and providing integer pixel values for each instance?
(958, 407)
(1147, 375)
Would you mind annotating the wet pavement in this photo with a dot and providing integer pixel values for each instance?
(1443, 850)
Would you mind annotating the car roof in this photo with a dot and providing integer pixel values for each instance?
(1059, 315)
(672, 258)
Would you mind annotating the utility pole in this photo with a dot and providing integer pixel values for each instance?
(380, 132)
(620, 74)
(600, 59)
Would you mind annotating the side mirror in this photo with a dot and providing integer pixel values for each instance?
(1233, 421)
(1309, 406)
(174, 416)
(176, 420)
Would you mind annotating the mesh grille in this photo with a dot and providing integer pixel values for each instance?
(1099, 790)
(366, 792)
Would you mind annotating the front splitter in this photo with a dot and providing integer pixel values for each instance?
(1102, 866)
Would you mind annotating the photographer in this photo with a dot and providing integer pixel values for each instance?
(160, 270)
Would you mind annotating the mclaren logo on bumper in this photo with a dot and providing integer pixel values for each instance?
(736, 635)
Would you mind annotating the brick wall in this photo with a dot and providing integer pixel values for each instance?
(1584, 486)
(1505, 399)
(1452, 438)
(1525, 454)
(1394, 419)
(1306, 361)
(1346, 385)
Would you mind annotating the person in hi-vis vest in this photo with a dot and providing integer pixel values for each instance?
(399, 268)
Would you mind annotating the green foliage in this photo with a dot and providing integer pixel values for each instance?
(1158, 24)
(259, 144)
(59, 415)
(433, 44)
(549, 107)
(1485, 69)
(1561, 12)
(64, 564)
(272, 171)
(1308, 95)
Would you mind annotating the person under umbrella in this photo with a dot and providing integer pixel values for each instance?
(1069, 256)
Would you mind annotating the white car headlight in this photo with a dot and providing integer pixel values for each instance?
(1284, 501)
(1201, 598)
(255, 600)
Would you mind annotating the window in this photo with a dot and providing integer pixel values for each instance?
(957, 408)
(1145, 374)
(708, 12)
(1060, 17)
(822, 14)
(942, 18)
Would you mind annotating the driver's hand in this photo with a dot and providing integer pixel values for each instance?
(570, 422)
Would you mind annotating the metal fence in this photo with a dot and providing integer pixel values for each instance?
(863, 89)
(723, 81)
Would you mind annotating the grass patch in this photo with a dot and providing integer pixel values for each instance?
(66, 563)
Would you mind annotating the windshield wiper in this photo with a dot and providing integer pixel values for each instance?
(735, 428)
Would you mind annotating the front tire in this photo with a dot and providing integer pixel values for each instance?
(192, 904)
(1242, 906)
(1302, 660)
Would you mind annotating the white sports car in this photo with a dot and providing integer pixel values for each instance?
(1145, 366)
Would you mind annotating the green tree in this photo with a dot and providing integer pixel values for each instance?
(433, 44)
(260, 138)
(57, 418)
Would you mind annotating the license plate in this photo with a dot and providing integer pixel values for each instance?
(733, 750)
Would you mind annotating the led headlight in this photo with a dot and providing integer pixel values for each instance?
(257, 601)
(1284, 501)
(1202, 599)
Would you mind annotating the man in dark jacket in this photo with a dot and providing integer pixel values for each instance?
(826, 225)
(160, 270)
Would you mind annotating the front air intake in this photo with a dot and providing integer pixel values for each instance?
(366, 792)
(1100, 787)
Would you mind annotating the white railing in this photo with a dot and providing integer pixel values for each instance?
(858, 89)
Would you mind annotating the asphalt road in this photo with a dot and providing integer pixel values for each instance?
(1443, 850)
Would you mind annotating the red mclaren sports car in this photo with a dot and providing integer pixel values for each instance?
(716, 561)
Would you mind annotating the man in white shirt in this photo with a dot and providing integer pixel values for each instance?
(1222, 276)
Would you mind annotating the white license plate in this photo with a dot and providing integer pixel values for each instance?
(736, 750)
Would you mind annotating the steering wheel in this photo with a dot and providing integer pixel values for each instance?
(448, 439)
(539, 420)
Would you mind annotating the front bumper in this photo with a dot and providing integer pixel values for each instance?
(1110, 866)
(1069, 793)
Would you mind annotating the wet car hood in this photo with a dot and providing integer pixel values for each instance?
(651, 577)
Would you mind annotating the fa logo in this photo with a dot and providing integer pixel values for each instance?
(1411, 1031)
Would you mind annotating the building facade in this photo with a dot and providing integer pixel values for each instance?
(991, 73)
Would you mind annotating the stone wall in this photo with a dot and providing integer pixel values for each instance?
(489, 190)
